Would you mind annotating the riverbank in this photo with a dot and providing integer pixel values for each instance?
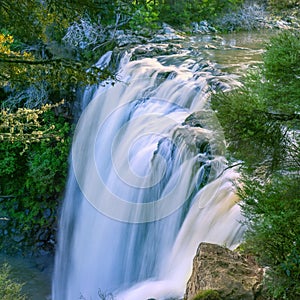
(35, 274)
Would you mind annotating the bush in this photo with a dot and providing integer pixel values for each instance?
(9, 290)
(260, 118)
(248, 17)
(272, 211)
(251, 134)
(281, 4)
(145, 16)
(185, 12)
(282, 71)
(261, 123)
(32, 180)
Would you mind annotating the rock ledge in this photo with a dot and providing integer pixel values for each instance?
(232, 275)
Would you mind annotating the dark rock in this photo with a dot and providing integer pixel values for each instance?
(18, 238)
(166, 34)
(44, 235)
(230, 274)
(124, 40)
(206, 123)
(43, 252)
(47, 213)
(39, 245)
(202, 27)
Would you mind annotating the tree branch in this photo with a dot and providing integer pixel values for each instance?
(30, 62)
(230, 167)
(279, 116)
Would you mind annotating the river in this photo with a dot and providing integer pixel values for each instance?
(232, 55)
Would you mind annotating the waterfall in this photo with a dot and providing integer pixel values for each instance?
(146, 184)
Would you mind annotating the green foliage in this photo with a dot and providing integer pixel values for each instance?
(38, 67)
(253, 136)
(33, 181)
(145, 16)
(260, 118)
(261, 122)
(282, 72)
(9, 290)
(185, 12)
(272, 210)
(42, 56)
(175, 13)
(208, 295)
(49, 18)
(282, 4)
(14, 14)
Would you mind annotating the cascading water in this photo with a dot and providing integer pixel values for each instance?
(146, 186)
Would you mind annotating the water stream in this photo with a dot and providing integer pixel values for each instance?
(146, 184)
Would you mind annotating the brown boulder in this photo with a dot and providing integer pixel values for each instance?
(219, 269)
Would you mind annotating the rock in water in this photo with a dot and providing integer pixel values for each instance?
(232, 275)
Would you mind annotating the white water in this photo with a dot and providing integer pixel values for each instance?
(133, 215)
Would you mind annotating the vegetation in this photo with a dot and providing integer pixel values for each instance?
(208, 295)
(9, 290)
(279, 4)
(33, 168)
(261, 123)
(272, 210)
(249, 16)
(39, 68)
(182, 12)
(48, 51)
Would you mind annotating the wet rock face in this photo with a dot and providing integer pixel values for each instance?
(13, 240)
(217, 268)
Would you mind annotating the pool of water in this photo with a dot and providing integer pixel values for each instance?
(35, 274)
(234, 53)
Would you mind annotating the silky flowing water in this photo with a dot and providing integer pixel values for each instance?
(147, 185)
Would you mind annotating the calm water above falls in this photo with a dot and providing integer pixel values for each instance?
(135, 208)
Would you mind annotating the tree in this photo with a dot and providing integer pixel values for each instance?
(34, 151)
(272, 211)
(261, 122)
(184, 12)
(36, 69)
(261, 118)
(35, 54)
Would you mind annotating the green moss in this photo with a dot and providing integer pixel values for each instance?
(207, 295)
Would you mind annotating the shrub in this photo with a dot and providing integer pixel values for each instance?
(32, 180)
(9, 290)
(282, 72)
(272, 210)
(261, 117)
(261, 123)
(248, 17)
(185, 12)
(144, 16)
(281, 4)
